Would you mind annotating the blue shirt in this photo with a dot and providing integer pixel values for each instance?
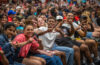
(83, 1)
(89, 35)
(7, 48)
(68, 1)
(20, 28)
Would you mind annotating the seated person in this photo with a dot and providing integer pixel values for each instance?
(48, 36)
(9, 51)
(68, 28)
(30, 47)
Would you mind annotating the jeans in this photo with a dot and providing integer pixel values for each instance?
(54, 60)
(69, 53)
(16, 63)
(89, 35)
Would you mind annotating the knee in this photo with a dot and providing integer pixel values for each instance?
(76, 48)
(81, 41)
(42, 60)
(31, 62)
(37, 62)
(91, 42)
(84, 47)
(38, 58)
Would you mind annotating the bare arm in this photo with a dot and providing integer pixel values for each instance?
(15, 45)
(3, 58)
(81, 33)
(82, 29)
(97, 29)
(45, 52)
(40, 43)
(72, 30)
(39, 32)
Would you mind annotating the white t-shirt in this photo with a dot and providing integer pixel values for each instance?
(69, 26)
(48, 39)
(43, 1)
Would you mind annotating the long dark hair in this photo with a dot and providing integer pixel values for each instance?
(27, 25)
(1, 28)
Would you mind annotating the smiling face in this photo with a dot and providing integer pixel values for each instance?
(4, 20)
(51, 23)
(28, 31)
(41, 22)
(70, 17)
(11, 31)
(34, 22)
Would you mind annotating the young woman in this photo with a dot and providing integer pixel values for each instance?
(30, 47)
(6, 38)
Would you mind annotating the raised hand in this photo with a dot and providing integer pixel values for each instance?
(1, 52)
(30, 40)
(50, 29)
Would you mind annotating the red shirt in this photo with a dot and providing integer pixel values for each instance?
(77, 18)
(0, 56)
(25, 49)
(10, 19)
(64, 18)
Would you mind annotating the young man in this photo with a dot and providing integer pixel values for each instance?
(70, 28)
(48, 36)
(5, 38)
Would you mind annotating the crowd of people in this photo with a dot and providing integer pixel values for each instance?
(50, 32)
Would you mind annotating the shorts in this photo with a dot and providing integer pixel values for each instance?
(89, 35)
(66, 41)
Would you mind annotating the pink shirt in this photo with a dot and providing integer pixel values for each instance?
(25, 49)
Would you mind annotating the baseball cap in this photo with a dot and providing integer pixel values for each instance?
(59, 17)
(18, 7)
(11, 12)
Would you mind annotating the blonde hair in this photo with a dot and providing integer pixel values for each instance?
(87, 14)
